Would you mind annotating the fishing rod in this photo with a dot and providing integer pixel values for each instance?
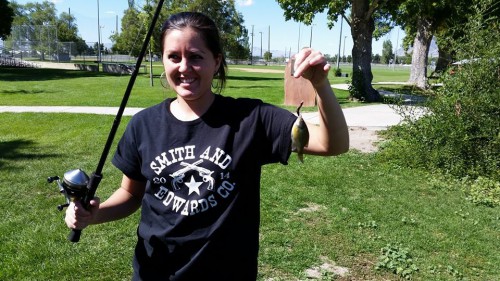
(76, 184)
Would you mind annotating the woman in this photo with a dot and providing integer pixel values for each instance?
(193, 163)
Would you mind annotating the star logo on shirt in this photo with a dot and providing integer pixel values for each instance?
(193, 186)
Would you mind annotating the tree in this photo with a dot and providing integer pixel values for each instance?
(461, 136)
(387, 54)
(268, 56)
(368, 19)
(38, 27)
(230, 23)
(36, 24)
(7, 15)
(421, 19)
(453, 30)
(132, 30)
(444, 19)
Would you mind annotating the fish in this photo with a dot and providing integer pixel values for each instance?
(300, 135)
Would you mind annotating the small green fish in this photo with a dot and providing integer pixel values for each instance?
(300, 135)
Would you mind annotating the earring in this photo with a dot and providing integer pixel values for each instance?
(163, 80)
(215, 79)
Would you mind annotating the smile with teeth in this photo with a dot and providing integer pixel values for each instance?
(186, 80)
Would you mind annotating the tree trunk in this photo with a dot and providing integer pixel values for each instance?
(421, 44)
(445, 58)
(362, 27)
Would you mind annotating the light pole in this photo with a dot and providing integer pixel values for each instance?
(260, 44)
(343, 51)
(340, 42)
(98, 37)
(251, 50)
(269, 40)
(298, 41)
(311, 37)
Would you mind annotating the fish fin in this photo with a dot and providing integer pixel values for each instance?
(301, 157)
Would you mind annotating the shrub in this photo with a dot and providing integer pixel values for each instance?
(398, 260)
(485, 191)
(338, 72)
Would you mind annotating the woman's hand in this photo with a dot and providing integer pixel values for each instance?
(77, 217)
(312, 65)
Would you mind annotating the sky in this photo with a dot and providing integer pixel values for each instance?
(261, 16)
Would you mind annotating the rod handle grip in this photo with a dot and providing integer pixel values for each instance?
(74, 235)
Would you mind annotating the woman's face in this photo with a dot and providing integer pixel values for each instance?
(189, 64)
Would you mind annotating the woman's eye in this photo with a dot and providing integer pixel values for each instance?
(173, 57)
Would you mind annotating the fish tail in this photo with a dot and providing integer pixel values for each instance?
(301, 157)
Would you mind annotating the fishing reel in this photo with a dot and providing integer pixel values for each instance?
(76, 185)
(73, 186)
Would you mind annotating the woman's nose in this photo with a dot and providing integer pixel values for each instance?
(183, 65)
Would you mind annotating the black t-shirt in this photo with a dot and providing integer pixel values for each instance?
(200, 212)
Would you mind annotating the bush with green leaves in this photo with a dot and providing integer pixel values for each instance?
(338, 72)
(398, 260)
(460, 135)
(484, 191)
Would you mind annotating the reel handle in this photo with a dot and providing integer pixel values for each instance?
(95, 179)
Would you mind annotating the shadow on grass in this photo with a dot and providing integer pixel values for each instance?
(16, 150)
(404, 95)
(24, 92)
(250, 87)
(253, 78)
(43, 74)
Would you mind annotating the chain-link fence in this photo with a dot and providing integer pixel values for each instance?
(40, 42)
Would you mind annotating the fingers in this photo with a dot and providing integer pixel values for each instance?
(77, 217)
(311, 64)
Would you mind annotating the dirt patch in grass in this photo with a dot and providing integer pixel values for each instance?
(327, 268)
(363, 139)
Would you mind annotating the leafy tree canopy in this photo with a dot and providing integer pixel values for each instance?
(7, 15)
(368, 19)
(387, 53)
(38, 25)
(229, 21)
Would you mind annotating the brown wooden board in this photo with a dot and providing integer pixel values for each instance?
(298, 89)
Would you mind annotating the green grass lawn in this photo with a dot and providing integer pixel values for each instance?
(339, 210)
(68, 87)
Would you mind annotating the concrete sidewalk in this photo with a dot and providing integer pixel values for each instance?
(375, 117)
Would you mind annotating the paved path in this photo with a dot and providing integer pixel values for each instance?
(378, 116)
